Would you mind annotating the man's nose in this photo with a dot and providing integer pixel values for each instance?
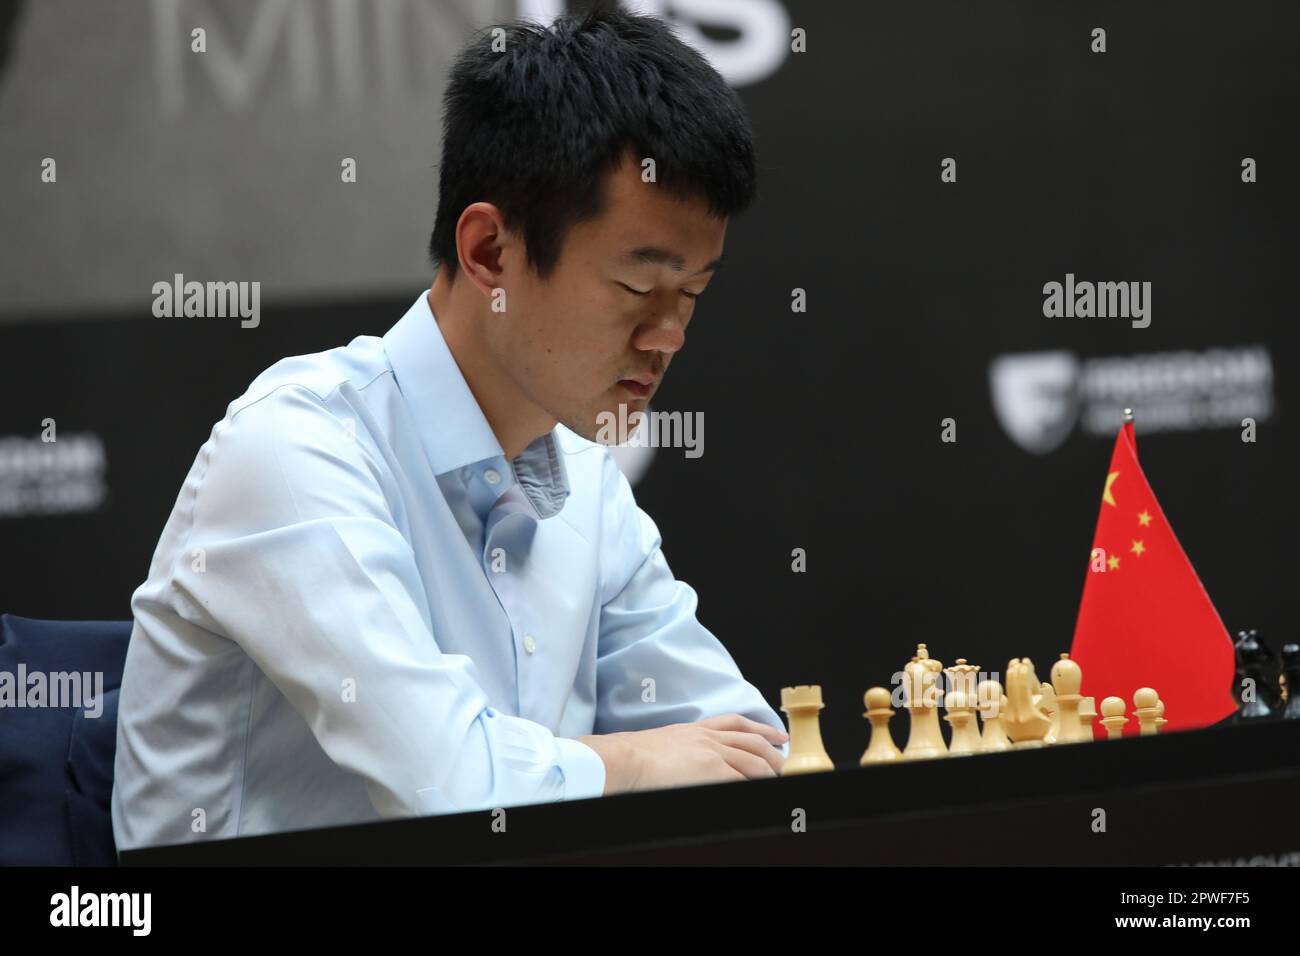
(667, 333)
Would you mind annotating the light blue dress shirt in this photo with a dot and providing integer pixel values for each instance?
(359, 609)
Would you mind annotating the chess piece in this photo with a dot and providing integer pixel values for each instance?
(807, 753)
(1087, 715)
(1036, 689)
(1145, 710)
(1257, 685)
(1067, 678)
(1046, 701)
(1160, 716)
(924, 737)
(881, 747)
(961, 718)
(1272, 672)
(992, 704)
(1113, 718)
(962, 676)
(960, 704)
(1034, 682)
(1025, 723)
(1291, 676)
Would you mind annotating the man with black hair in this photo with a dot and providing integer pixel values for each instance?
(402, 577)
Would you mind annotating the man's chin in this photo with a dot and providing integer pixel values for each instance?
(611, 425)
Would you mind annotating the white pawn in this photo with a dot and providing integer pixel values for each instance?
(961, 718)
(1146, 711)
(1113, 717)
(881, 747)
(1066, 681)
(992, 703)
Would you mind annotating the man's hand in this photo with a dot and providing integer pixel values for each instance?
(713, 750)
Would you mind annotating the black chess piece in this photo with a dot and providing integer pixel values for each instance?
(1272, 686)
(1255, 664)
(1291, 668)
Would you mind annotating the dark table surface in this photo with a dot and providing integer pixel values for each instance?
(1224, 794)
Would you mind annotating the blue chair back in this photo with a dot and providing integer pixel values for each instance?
(56, 758)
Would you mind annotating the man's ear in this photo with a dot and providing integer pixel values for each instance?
(481, 243)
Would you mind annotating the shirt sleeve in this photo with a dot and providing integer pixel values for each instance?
(657, 664)
(296, 556)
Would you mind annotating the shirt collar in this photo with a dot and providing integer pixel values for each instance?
(451, 426)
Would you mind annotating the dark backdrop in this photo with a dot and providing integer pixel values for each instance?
(823, 428)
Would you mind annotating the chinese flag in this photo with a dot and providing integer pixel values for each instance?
(1145, 620)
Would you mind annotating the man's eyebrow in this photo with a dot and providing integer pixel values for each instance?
(656, 256)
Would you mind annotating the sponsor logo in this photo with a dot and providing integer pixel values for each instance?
(1039, 397)
(47, 478)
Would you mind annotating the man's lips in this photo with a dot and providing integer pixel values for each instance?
(641, 386)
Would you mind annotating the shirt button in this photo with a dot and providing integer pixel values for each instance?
(530, 645)
(493, 478)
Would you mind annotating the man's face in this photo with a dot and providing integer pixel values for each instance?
(601, 331)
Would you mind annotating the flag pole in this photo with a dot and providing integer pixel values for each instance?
(1128, 429)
